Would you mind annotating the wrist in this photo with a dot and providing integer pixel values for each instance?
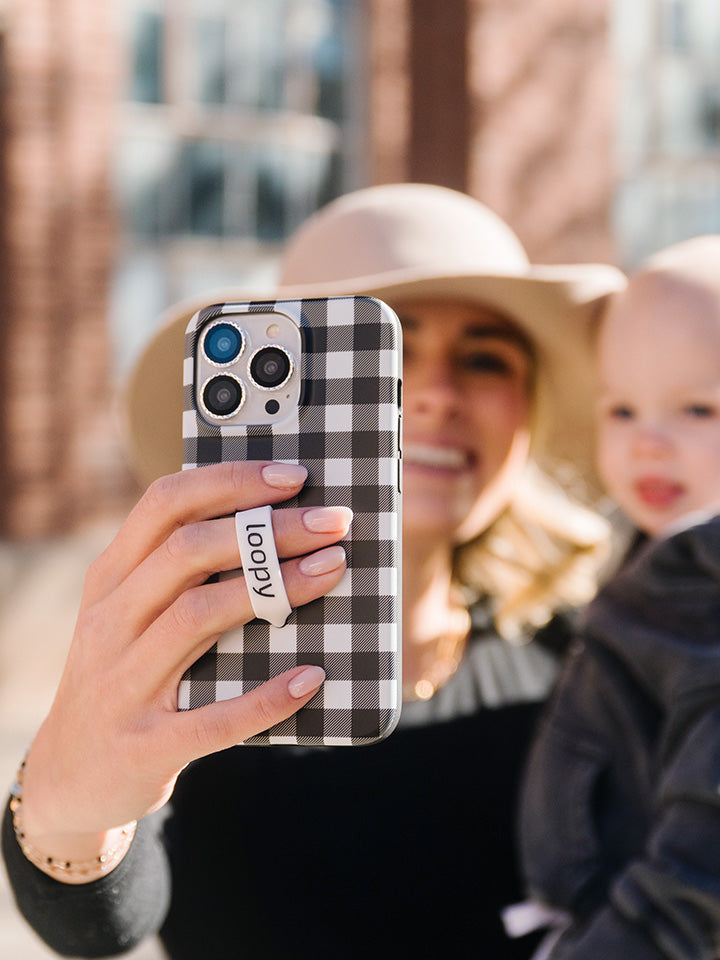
(72, 858)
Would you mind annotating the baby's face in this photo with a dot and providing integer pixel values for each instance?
(659, 403)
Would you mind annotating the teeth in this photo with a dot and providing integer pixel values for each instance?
(430, 456)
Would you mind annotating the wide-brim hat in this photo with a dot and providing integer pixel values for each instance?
(400, 242)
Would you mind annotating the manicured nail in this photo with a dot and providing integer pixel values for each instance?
(324, 561)
(327, 519)
(283, 476)
(304, 682)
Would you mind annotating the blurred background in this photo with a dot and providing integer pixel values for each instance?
(153, 149)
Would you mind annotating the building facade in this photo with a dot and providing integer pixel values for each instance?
(151, 149)
(668, 123)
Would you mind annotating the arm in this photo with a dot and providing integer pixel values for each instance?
(112, 746)
(112, 914)
(667, 904)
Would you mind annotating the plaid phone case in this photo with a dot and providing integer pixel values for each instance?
(346, 432)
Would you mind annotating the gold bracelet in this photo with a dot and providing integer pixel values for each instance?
(85, 870)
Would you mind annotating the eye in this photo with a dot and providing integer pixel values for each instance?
(701, 411)
(619, 411)
(409, 349)
(487, 361)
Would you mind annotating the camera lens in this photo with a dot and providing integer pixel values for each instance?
(223, 396)
(270, 367)
(223, 343)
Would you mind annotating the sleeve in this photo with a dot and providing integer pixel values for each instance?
(99, 919)
(666, 905)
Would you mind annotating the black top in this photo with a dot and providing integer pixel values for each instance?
(403, 847)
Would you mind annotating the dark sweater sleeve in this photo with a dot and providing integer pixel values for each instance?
(103, 918)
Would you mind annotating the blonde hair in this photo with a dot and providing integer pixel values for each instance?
(544, 552)
(548, 548)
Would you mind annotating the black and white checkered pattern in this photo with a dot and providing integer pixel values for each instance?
(346, 433)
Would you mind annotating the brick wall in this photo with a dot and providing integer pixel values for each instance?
(60, 461)
(508, 99)
(542, 147)
(532, 132)
(389, 90)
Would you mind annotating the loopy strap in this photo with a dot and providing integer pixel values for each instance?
(260, 565)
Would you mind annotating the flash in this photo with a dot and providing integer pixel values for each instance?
(273, 331)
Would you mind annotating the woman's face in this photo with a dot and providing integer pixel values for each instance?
(467, 385)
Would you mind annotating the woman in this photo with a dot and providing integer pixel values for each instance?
(285, 852)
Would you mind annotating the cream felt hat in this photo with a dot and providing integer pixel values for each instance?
(400, 242)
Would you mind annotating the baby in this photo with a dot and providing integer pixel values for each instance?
(620, 817)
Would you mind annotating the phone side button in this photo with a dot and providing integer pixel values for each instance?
(399, 454)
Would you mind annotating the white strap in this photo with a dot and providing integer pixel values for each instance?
(526, 917)
(260, 565)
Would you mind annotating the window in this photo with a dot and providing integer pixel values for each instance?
(240, 120)
(669, 122)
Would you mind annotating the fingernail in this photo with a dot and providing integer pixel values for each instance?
(308, 679)
(324, 561)
(327, 519)
(282, 476)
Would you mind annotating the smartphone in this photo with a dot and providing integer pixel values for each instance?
(316, 382)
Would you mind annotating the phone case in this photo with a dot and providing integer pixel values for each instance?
(346, 431)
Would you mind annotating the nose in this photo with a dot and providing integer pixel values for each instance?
(436, 391)
(652, 440)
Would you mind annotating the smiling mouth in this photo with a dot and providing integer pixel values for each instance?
(443, 458)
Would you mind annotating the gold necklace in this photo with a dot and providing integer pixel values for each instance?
(447, 655)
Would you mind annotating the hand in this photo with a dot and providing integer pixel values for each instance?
(113, 743)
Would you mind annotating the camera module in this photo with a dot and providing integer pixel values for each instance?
(271, 367)
(223, 396)
(223, 342)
